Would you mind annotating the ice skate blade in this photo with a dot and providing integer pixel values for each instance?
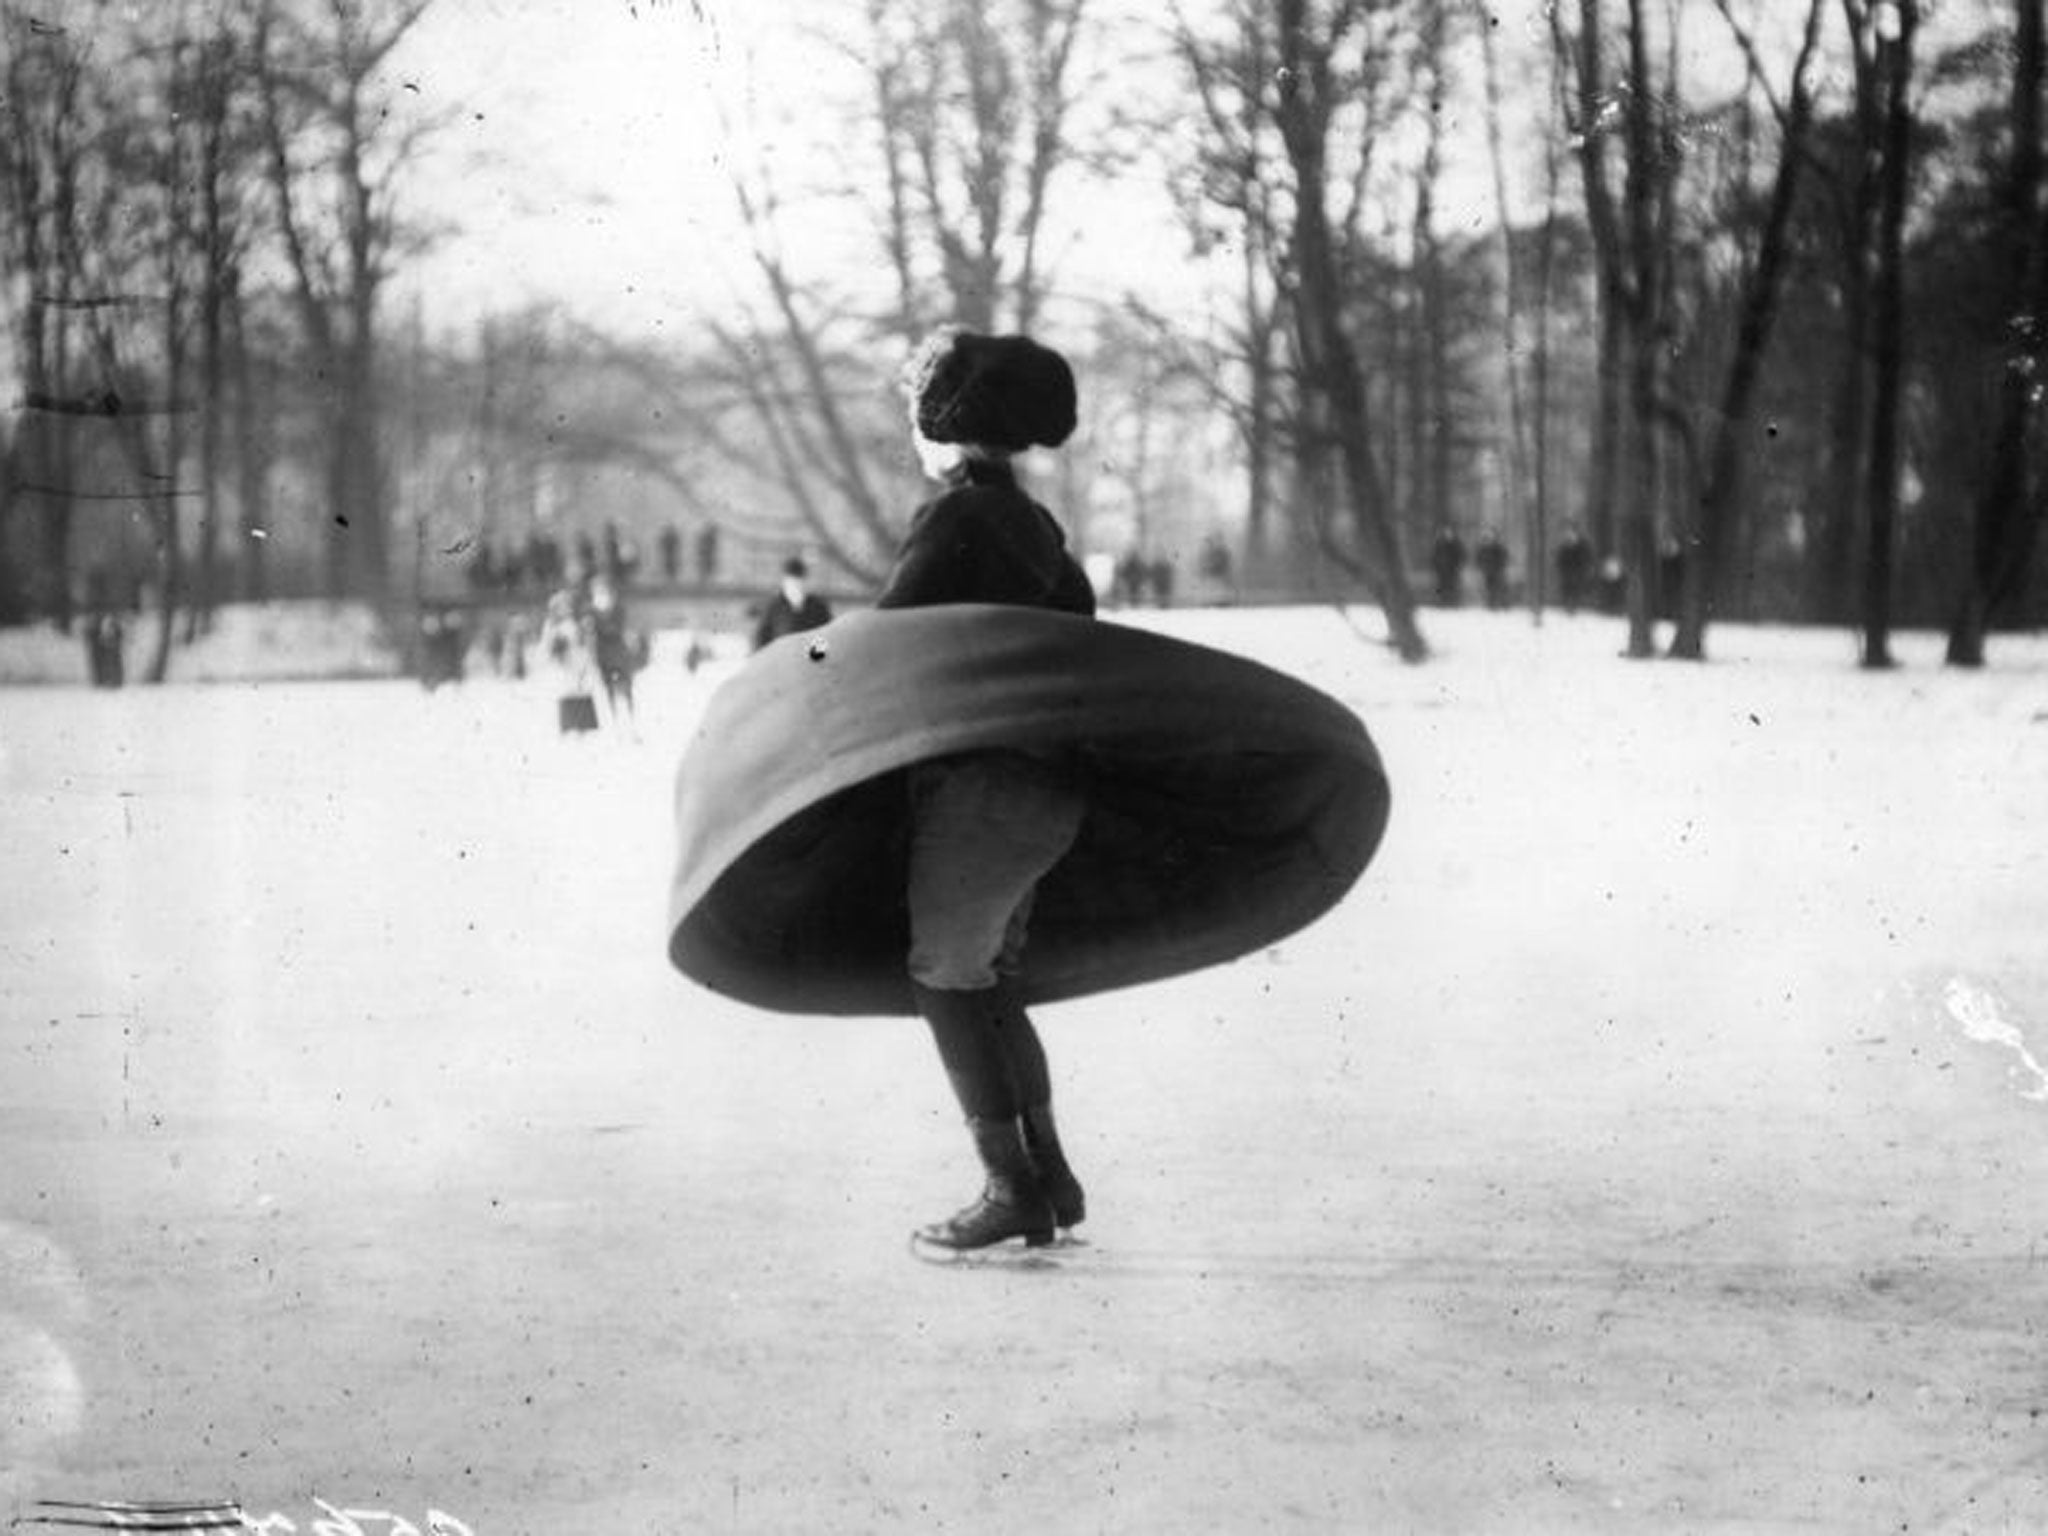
(1013, 1253)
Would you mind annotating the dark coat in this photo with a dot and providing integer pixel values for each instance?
(779, 617)
(983, 540)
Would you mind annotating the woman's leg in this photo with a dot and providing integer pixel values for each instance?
(1031, 1079)
(984, 830)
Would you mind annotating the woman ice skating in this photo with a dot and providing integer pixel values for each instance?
(978, 798)
(986, 826)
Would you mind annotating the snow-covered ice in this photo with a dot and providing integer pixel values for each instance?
(1654, 1140)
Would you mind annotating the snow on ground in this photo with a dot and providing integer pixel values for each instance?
(245, 643)
(1654, 1140)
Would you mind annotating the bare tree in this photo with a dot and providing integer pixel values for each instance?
(1892, 25)
(1429, 373)
(1304, 106)
(1757, 310)
(969, 116)
(972, 103)
(1537, 541)
(339, 143)
(1229, 200)
(2006, 528)
(1632, 239)
(46, 138)
(215, 102)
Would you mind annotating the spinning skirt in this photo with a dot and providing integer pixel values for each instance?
(1228, 804)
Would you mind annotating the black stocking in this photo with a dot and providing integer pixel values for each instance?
(972, 1049)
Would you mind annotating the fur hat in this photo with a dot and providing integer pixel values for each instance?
(1003, 392)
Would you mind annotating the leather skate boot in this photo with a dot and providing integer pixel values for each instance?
(1011, 1203)
(1042, 1145)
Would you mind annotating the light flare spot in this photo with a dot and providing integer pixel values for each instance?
(1980, 1017)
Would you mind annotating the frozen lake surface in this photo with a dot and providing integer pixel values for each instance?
(1656, 1139)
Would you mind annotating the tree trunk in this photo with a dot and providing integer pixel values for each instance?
(1831, 574)
(1535, 538)
(252, 464)
(1888, 335)
(1644, 188)
(1610, 431)
(1326, 350)
(1259, 427)
(2007, 516)
(1434, 374)
(57, 466)
(212, 374)
(1758, 313)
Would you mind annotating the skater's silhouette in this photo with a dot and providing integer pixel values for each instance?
(985, 827)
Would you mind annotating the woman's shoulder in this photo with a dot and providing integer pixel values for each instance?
(962, 506)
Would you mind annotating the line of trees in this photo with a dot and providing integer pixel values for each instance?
(1752, 298)
(1750, 291)
(198, 224)
(1625, 337)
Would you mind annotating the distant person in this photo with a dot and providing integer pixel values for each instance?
(1161, 579)
(1133, 574)
(1613, 585)
(512, 568)
(1447, 563)
(668, 549)
(1574, 568)
(615, 649)
(1215, 566)
(1670, 578)
(707, 553)
(1492, 560)
(621, 561)
(105, 634)
(565, 640)
(444, 640)
(794, 607)
(545, 562)
(518, 635)
(106, 644)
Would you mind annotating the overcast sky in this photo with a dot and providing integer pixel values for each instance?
(586, 165)
(589, 160)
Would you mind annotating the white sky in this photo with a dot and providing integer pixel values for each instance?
(593, 172)
(585, 163)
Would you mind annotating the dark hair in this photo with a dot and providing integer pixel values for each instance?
(794, 566)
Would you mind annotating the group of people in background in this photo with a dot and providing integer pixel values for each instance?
(585, 633)
(1448, 557)
(541, 562)
(1583, 580)
(588, 639)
